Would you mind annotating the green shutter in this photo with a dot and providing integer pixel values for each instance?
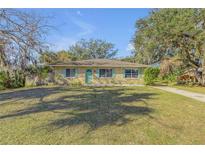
(76, 72)
(139, 72)
(124, 73)
(97, 73)
(64, 73)
(113, 73)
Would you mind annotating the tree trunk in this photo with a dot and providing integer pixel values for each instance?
(203, 77)
(199, 76)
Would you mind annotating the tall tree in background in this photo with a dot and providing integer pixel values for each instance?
(93, 49)
(48, 57)
(81, 50)
(23, 34)
(174, 33)
(65, 56)
(131, 59)
(54, 57)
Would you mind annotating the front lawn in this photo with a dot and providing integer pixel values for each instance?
(111, 115)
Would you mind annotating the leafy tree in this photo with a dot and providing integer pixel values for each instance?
(174, 33)
(64, 56)
(93, 49)
(49, 57)
(151, 75)
(129, 59)
(41, 71)
(38, 74)
(12, 79)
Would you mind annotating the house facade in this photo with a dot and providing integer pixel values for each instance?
(101, 71)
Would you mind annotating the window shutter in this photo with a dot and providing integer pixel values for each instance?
(64, 73)
(97, 73)
(124, 73)
(76, 72)
(139, 72)
(113, 73)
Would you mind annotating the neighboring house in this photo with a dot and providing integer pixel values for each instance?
(101, 71)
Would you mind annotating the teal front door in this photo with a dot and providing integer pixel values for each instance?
(88, 76)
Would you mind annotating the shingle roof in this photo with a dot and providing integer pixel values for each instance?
(100, 63)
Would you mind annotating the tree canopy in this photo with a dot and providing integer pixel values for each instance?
(171, 32)
(49, 57)
(81, 50)
(93, 49)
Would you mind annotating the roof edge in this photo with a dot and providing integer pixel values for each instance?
(63, 65)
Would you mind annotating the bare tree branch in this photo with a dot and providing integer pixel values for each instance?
(24, 34)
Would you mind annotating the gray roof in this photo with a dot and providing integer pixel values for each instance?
(99, 63)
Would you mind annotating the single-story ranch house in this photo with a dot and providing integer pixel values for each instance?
(101, 71)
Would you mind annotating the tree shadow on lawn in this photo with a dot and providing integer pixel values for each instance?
(96, 107)
(31, 93)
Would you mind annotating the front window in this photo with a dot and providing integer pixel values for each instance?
(105, 73)
(131, 73)
(70, 73)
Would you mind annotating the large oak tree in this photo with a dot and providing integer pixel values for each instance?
(93, 49)
(174, 33)
(49, 57)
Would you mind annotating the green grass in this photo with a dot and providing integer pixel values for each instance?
(111, 115)
(197, 89)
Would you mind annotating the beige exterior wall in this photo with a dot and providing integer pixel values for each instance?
(117, 79)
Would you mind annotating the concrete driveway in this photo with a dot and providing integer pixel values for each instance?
(193, 95)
